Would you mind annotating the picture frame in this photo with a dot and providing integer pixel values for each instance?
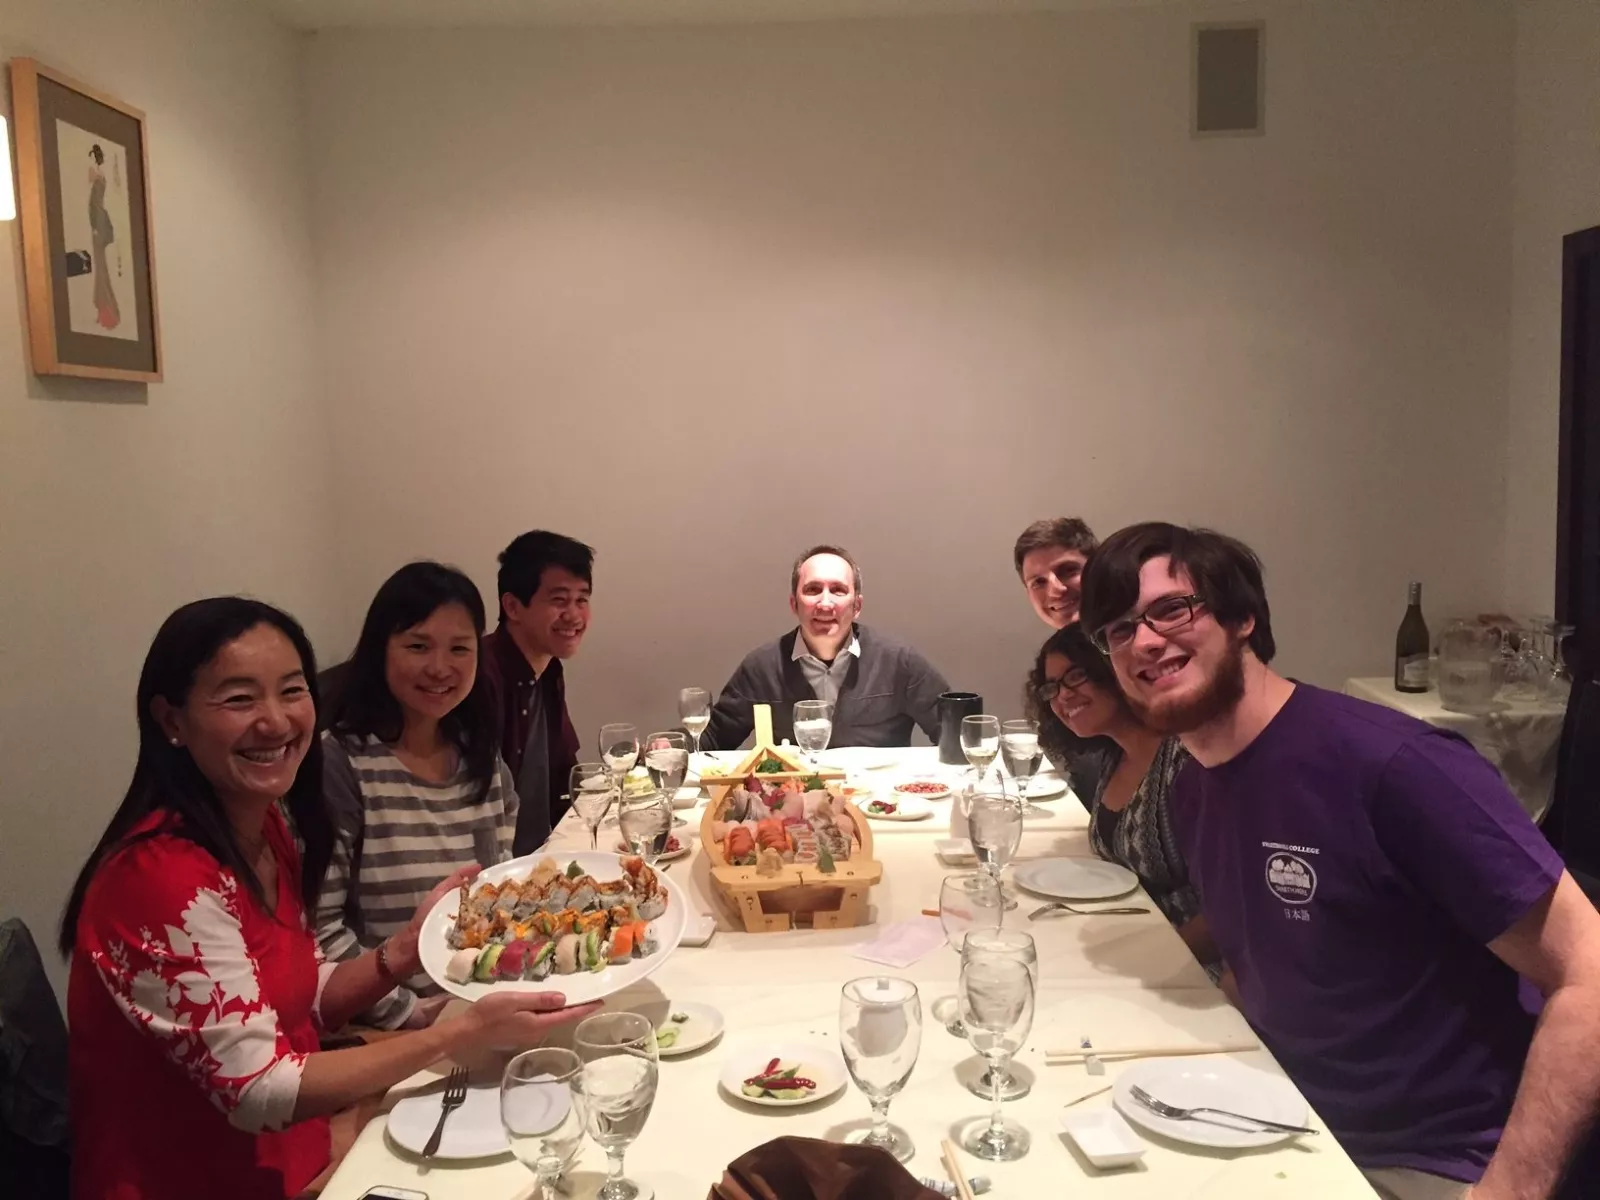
(83, 182)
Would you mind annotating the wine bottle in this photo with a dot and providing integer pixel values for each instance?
(1411, 647)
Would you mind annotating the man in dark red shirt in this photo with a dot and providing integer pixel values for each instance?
(544, 584)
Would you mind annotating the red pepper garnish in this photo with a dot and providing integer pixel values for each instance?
(777, 1083)
(771, 1067)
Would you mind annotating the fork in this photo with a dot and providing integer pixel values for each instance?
(1063, 906)
(455, 1095)
(1173, 1113)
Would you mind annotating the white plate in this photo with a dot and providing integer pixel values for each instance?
(703, 1027)
(820, 1062)
(955, 851)
(579, 988)
(1075, 878)
(1218, 1083)
(942, 794)
(1046, 787)
(906, 808)
(671, 856)
(473, 1130)
(1106, 1140)
(858, 758)
(686, 797)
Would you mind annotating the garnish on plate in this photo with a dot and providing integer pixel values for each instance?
(778, 1082)
(882, 808)
(922, 787)
(667, 1036)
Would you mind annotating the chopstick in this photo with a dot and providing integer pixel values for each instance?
(1056, 1058)
(952, 1166)
(823, 773)
(1089, 1095)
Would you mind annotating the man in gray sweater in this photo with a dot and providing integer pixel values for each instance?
(879, 688)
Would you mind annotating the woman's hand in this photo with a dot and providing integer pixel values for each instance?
(518, 1020)
(404, 958)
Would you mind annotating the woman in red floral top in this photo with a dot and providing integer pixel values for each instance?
(197, 991)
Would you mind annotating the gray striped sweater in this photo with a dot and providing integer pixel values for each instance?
(397, 836)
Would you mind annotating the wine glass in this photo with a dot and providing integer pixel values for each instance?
(994, 827)
(997, 997)
(666, 757)
(619, 746)
(1019, 750)
(880, 1032)
(980, 741)
(813, 726)
(646, 823)
(966, 902)
(618, 1086)
(694, 710)
(541, 1108)
(1018, 944)
(593, 790)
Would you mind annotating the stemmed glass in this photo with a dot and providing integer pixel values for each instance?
(980, 741)
(541, 1108)
(593, 790)
(666, 757)
(880, 1032)
(646, 823)
(1019, 750)
(694, 710)
(618, 1087)
(996, 993)
(1018, 944)
(813, 726)
(619, 746)
(966, 902)
(994, 827)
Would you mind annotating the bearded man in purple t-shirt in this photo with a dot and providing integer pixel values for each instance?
(1378, 894)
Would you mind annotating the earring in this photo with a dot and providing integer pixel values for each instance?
(176, 742)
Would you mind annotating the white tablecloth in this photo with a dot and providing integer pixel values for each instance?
(1121, 979)
(1521, 737)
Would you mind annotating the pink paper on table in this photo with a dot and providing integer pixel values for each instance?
(903, 943)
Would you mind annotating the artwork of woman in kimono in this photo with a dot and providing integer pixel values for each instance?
(102, 234)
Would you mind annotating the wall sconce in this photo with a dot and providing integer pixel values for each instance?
(8, 187)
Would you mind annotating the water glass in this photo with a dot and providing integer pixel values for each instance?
(880, 1033)
(1019, 944)
(997, 997)
(694, 710)
(646, 823)
(813, 726)
(619, 747)
(1021, 754)
(980, 741)
(593, 791)
(994, 827)
(541, 1108)
(618, 1086)
(666, 757)
(966, 902)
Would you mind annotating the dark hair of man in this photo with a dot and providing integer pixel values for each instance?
(365, 707)
(1068, 533)
(1059, 743)
(523, 563)
(1226, 575)
(166, 779)
(837, 552)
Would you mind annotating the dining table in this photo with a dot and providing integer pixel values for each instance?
(1117, 979)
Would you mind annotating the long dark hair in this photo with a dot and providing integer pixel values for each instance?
(165, 778)
(365, 707)
(1059, 743)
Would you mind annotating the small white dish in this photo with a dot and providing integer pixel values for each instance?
(955, 852)
(473, 1130)
(1106, 1140)
(941, 790)
(1215, 1083)
(704, 1026)
(1046, 787)
(697, 929)
(818, 1061)
(904, 808)
(684, 846)
(686, 797)
(1075, 878)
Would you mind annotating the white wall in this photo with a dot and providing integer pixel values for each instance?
(704, 296)
(1556, 192)
(118, 502)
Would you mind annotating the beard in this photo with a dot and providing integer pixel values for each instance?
(1177, 715)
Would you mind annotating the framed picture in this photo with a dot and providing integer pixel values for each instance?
(83, 180)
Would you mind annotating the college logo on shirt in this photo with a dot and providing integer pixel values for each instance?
(1291, 877)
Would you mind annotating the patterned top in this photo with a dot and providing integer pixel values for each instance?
(192, 1013)
(1142, 839)
(397, 836)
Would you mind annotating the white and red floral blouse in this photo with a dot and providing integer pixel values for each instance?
(192, 1012)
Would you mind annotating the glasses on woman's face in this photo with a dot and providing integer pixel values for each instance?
(1163, 616)
(1070, 682)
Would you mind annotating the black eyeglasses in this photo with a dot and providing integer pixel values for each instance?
(1165, 615)
(1070, 682)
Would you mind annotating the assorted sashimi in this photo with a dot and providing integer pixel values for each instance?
(769, 824)
(554, 922)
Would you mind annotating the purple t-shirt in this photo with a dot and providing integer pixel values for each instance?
(1353, 864)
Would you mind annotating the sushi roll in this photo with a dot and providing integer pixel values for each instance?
(594, 956)
(513, 959)
(541, 960)
(459, 968)
(555, 896)
(583, 895)
(621, 944)
(596, 921)
(484, 971)
(566, 955)
(505, 902)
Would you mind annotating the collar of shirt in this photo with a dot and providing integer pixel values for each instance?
(512, 665)
(825, 678)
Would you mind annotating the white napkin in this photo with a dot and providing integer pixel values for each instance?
(903, 943)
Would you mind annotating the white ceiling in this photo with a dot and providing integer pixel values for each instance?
(329, 14)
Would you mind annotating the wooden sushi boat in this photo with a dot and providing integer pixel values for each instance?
(810, 866)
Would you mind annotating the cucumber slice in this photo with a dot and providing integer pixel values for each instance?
(750, 1089)
(484, 971)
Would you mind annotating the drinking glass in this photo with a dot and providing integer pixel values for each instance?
(1019, 944)
(813, 726)
(666, 757)
(880, 1032)
(994, 827)
(1019, 750)
(619, 746)
(966, 902)
(980, 741)
(593, 790)
(996, 993)
(541, 1108)
(1558, 687)
(694, 710)
(646, 823)
(618, 1086)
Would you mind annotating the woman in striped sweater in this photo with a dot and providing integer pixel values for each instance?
(412, 771)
